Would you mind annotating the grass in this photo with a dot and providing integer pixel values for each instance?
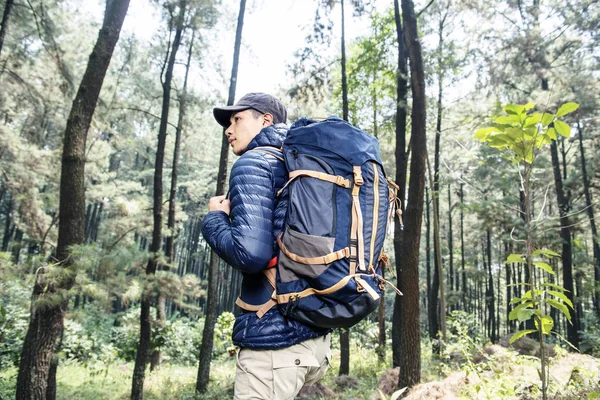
(505, 375)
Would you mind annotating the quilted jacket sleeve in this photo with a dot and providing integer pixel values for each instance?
(245, 239)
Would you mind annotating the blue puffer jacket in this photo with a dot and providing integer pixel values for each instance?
(246, 240)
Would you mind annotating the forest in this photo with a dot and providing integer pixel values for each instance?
(487, 115)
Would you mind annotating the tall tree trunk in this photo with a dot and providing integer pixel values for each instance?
(213, 270)
(144, 345)
(434, 312)
(4, 24)
(7, 226)
(161, 314)
(462, 247)
(567, 249)
(489, 295)
(410, 337)
(344, 333)
(401, 165)
(428, 250)
(450, 245)
(46, 320)
(344, 76)
(590, 212)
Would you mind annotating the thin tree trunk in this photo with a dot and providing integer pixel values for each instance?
(450, 245)
(401, 165)
(489, 296)
(4, 25)
(344, 76)
(428, 249)
(590, 212)
(46, 320)
(144, 345)
(410, 337)
(567, 249)
(344, 333)
(462, 247)
(161, 314)
(206, 347)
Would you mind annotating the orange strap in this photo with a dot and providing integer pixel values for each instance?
(326, 259)
(270, 274)
(338, 180)
(357, 221)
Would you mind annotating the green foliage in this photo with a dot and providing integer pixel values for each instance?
(223, 332)
(524, 133)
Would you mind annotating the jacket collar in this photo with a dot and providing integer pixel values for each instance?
(272, 135)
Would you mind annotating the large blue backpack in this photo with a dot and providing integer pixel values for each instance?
(331, 248)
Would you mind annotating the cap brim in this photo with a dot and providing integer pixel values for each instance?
(223, 114)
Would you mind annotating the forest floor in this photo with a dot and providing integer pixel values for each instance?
(498, 373)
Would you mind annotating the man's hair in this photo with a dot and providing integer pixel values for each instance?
(256, 114)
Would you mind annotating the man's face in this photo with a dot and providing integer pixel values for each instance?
(244, 126)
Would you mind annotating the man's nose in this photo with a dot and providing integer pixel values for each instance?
(228, 131)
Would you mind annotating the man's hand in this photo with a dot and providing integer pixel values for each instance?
(219, 203)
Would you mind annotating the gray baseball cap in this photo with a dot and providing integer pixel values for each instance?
(261, 102)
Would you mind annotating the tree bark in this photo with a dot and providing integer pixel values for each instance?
(489, 295)
(161, 314)
(3, 26)
(144, 345)
(462, 247)
(344, 76)
(410, 340)
(46, 318)
(567, 249)
(450, 245)
(590, 212)
(211, 304)
(401, 165)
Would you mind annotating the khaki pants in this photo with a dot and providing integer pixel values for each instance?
(280, 374)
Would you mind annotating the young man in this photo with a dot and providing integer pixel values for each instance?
(278, 355)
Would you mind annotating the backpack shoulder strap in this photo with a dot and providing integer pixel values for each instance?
(274, 151)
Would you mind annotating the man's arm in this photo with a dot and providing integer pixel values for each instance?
(244, 239)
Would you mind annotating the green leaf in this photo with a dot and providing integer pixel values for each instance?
(565, 340)
(563, 128)
(519, 284)
(514, 108)
(593, 395)
(529, 157)
(552, 134)
(508, 120)
(514, 314)
(566, 109)
(484, 133)
(544, 266)
(541, 140)
(529, 106)
(529, 133)
(561, 296)
(545, 252)
(532, 120)
(524, 314)
(560, 307)
(547, 324)
(515, 300)
(518, 335)
(515, 133)
(554, 286)
(547, 119)
(515, 258)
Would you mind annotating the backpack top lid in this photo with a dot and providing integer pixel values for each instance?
(337, 136)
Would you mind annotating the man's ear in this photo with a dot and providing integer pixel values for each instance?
(268, 119)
